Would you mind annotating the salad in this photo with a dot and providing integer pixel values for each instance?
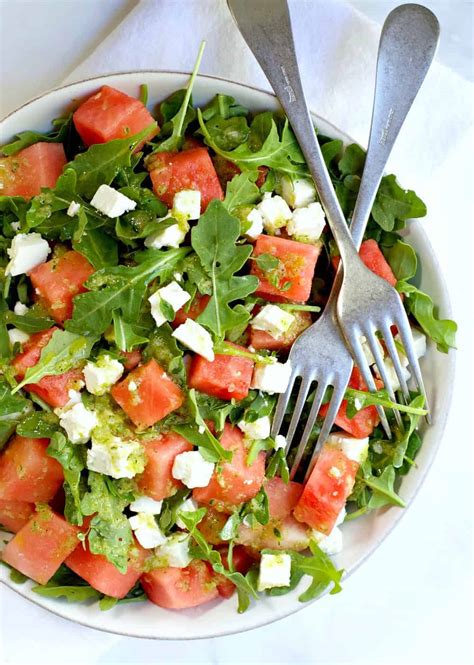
(156, 268)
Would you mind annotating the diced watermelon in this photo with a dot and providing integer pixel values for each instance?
(180, 588)
(211, 526)
(154, 397)
(226, 170)
(41, 546)
(260, 339)
(37, 166)
(103, 575)
(373, 258)
(363, 423)
(27, 472)
(14, 514)
(233, 482)
(59, 280)
(132, 359)
(225, 377)
(198, 306)
(282, 497)
(171, 172)
(287, 534)
(294, 275)
(326, 491)
(157, 479)
(111, 114)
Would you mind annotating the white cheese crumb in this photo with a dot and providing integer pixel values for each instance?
(271, 377)
(146, 530)
(187, 204)
(256, 224)
(307, 224)
(20, 309)
(192, 469)
(17, 336)
(259, 429)
(280, 441)
(116, 458)
(275, 212)
(391, 373)
(27, 251)
(175, 551)
(145, 504)
(73, 209)
(354, 449)
(112, 203)
(299, 192)
(275, 571)
(274, 320)
(171, 236)
(172, 294)
(419, 343)
(196, 338)
(330, 544)
(102, 374)
(78, 422)
(188, 506)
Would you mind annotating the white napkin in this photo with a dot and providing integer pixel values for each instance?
(337, 49)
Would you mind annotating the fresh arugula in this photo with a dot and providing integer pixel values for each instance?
(241, 190)
(29, 323)
(255, 511)
(126, 335)
(383, 492)
(38, 425)
(98, 247)
(359, 399)
(25, 139)
(72, 458)
(214, 241)
(162, 346)
(223, 106)
(13, 410)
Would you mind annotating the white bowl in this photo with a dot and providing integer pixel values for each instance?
(361, 536)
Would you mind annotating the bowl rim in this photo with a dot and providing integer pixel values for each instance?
(441, 422)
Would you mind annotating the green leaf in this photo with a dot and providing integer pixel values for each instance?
(223, 106)
(381, 398)
(353, 160)
(121, 288)
(394, 203)
(228, 133)
(98, 247)
(13, 409)
(38, 425)
(383, 493)
(72, 458)
(441, 331)
(403, 437)
(73, 594)
(100, 164)
(170, 510)
(29, 323)
(214, 241)
(331, 150)
(255, 511)
(25, 139)
(241, 190)
(402, 260)
(125, 336)
(164, 349)
(64, 351)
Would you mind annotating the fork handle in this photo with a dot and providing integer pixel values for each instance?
(266, 27)
(407, 47)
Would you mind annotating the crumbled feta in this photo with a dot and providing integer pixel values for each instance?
(178, 276)
(27, 251)
(116, 458)
(280, 441)
(145, 504)
(132, 386)
(172, 294)
(112, 203)
(15, 225)
(78, 422)
(275, 212)
(73, 209)
(102, 374)
(299, 192)
(275, 571)
(187, 204)
(192, 469)
(74, 396)
(188, 506)
(146, 530)
(369, 356)
(259, 429)
(175, 551)
(20, 309)
(15, 335)
(354, 449)
(171, 236)
(419, 343)
(271, 377)
(307, 224)
(274, 320)
(196, 338)
(392, 377)
(256, 224)
(330, 544)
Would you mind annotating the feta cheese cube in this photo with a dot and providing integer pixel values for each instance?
(20, 309)
(367, 351)
(116, 458)
(256, 224)
(102, 374)
(187, 204)
(196, 338)
(275, 571)
(172, 294)
(112, 203)
(275, 212)
(299, 192)
(259, 429)
(15, 335)
(354, 449)
(274, 320)
(170, 236)
(73, 209)
(419, 343)
(307, 224)
(175, 551)
(280, 441)
(391, 373)
(146, 530)
(27, 251)
(192, 469)
(330, 544)
(188, 506)
(78, 422)
(145, 504)
(271, 377)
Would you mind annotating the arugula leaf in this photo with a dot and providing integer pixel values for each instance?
(98, 247)
(353, 160)
(5, 348)
(121, 288)
(241, 190)
(228, 133)
(165, 350)
(278, 466)
(223, 106)
(25, 139)
(73, 594)
(170, 510)
(38, 425)
(382, 487)
(72, 458)
(394, 203)
(403, 438)
(13, 409)
(255, 511)
(29, 323)
(100, 164)
(380, 398)
(110, 533)
(125, 336)
(331, 150)
(214, 241)
(64, 351)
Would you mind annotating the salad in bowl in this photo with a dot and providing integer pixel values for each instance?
(156, 268)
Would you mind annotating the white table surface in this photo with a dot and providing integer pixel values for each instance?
(412, 601)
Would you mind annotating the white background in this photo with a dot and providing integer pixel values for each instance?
(412, 601)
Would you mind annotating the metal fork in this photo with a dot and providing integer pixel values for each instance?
(366, 303)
